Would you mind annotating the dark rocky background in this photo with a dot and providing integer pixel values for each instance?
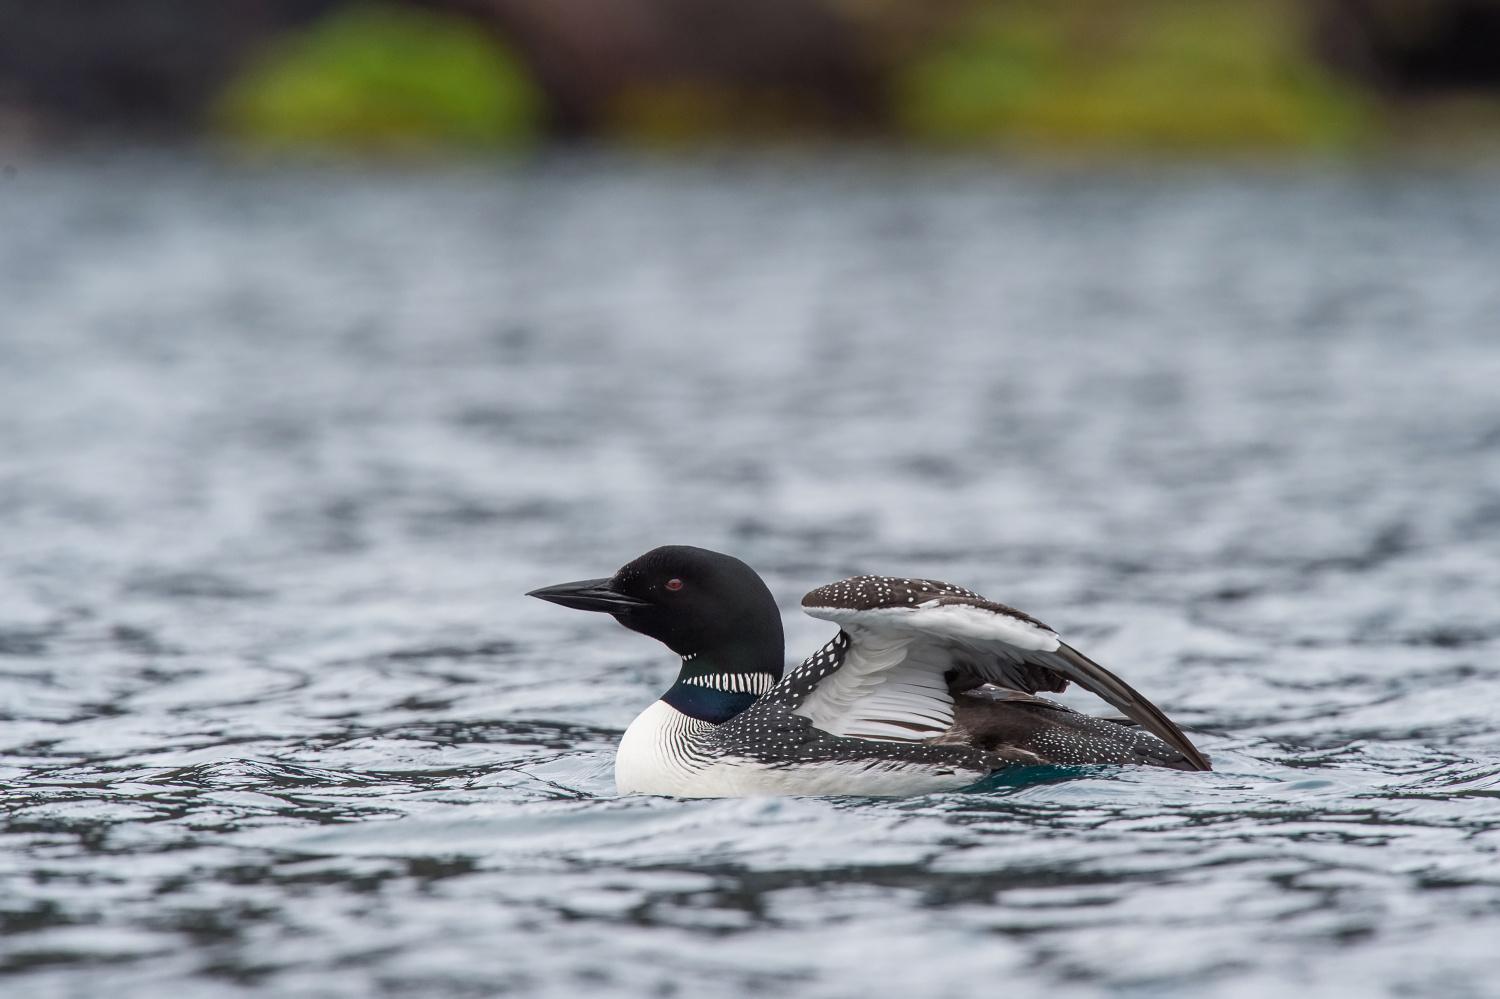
(150, 68)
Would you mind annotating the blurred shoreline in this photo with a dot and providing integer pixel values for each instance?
(1064, 82)
(859, 157)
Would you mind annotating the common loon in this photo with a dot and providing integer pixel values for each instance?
(926, 687)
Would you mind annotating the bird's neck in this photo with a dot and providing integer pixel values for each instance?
(714, 686)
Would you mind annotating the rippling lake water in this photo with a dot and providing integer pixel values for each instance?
(281, 450)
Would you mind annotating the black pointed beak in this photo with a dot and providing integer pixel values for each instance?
(589, 595)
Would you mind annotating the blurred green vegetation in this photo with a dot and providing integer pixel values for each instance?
(1068, 77)
(385, 79)
(677, 114)
(1170, 75)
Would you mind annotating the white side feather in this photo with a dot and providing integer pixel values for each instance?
(956, 621)
(888, 688)
(892, 684)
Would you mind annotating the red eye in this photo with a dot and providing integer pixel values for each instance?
(674, 584)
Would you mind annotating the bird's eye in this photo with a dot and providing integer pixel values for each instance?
(674, 584)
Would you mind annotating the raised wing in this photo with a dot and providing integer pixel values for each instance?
(911, 640)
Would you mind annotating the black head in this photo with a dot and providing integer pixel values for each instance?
(711, 609)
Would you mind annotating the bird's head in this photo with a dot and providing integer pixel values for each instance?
(709, 608)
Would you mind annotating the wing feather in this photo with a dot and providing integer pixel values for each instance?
(907, 637)
(1092, 677)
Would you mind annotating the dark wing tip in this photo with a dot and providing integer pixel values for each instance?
(1101, 681)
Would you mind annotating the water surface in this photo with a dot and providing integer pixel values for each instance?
(280, 451)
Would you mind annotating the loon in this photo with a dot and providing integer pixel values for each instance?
(926, 687)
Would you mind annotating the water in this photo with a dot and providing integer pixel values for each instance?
(282, 449)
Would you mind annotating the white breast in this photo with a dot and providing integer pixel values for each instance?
(656, 753)
(662, 753)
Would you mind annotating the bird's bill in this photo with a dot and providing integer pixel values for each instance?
(589, 595)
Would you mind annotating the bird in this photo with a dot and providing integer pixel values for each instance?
(926, 687)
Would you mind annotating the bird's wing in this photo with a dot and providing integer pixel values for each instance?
(909, 640)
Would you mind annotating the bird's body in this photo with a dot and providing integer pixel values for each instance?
(926, 687)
